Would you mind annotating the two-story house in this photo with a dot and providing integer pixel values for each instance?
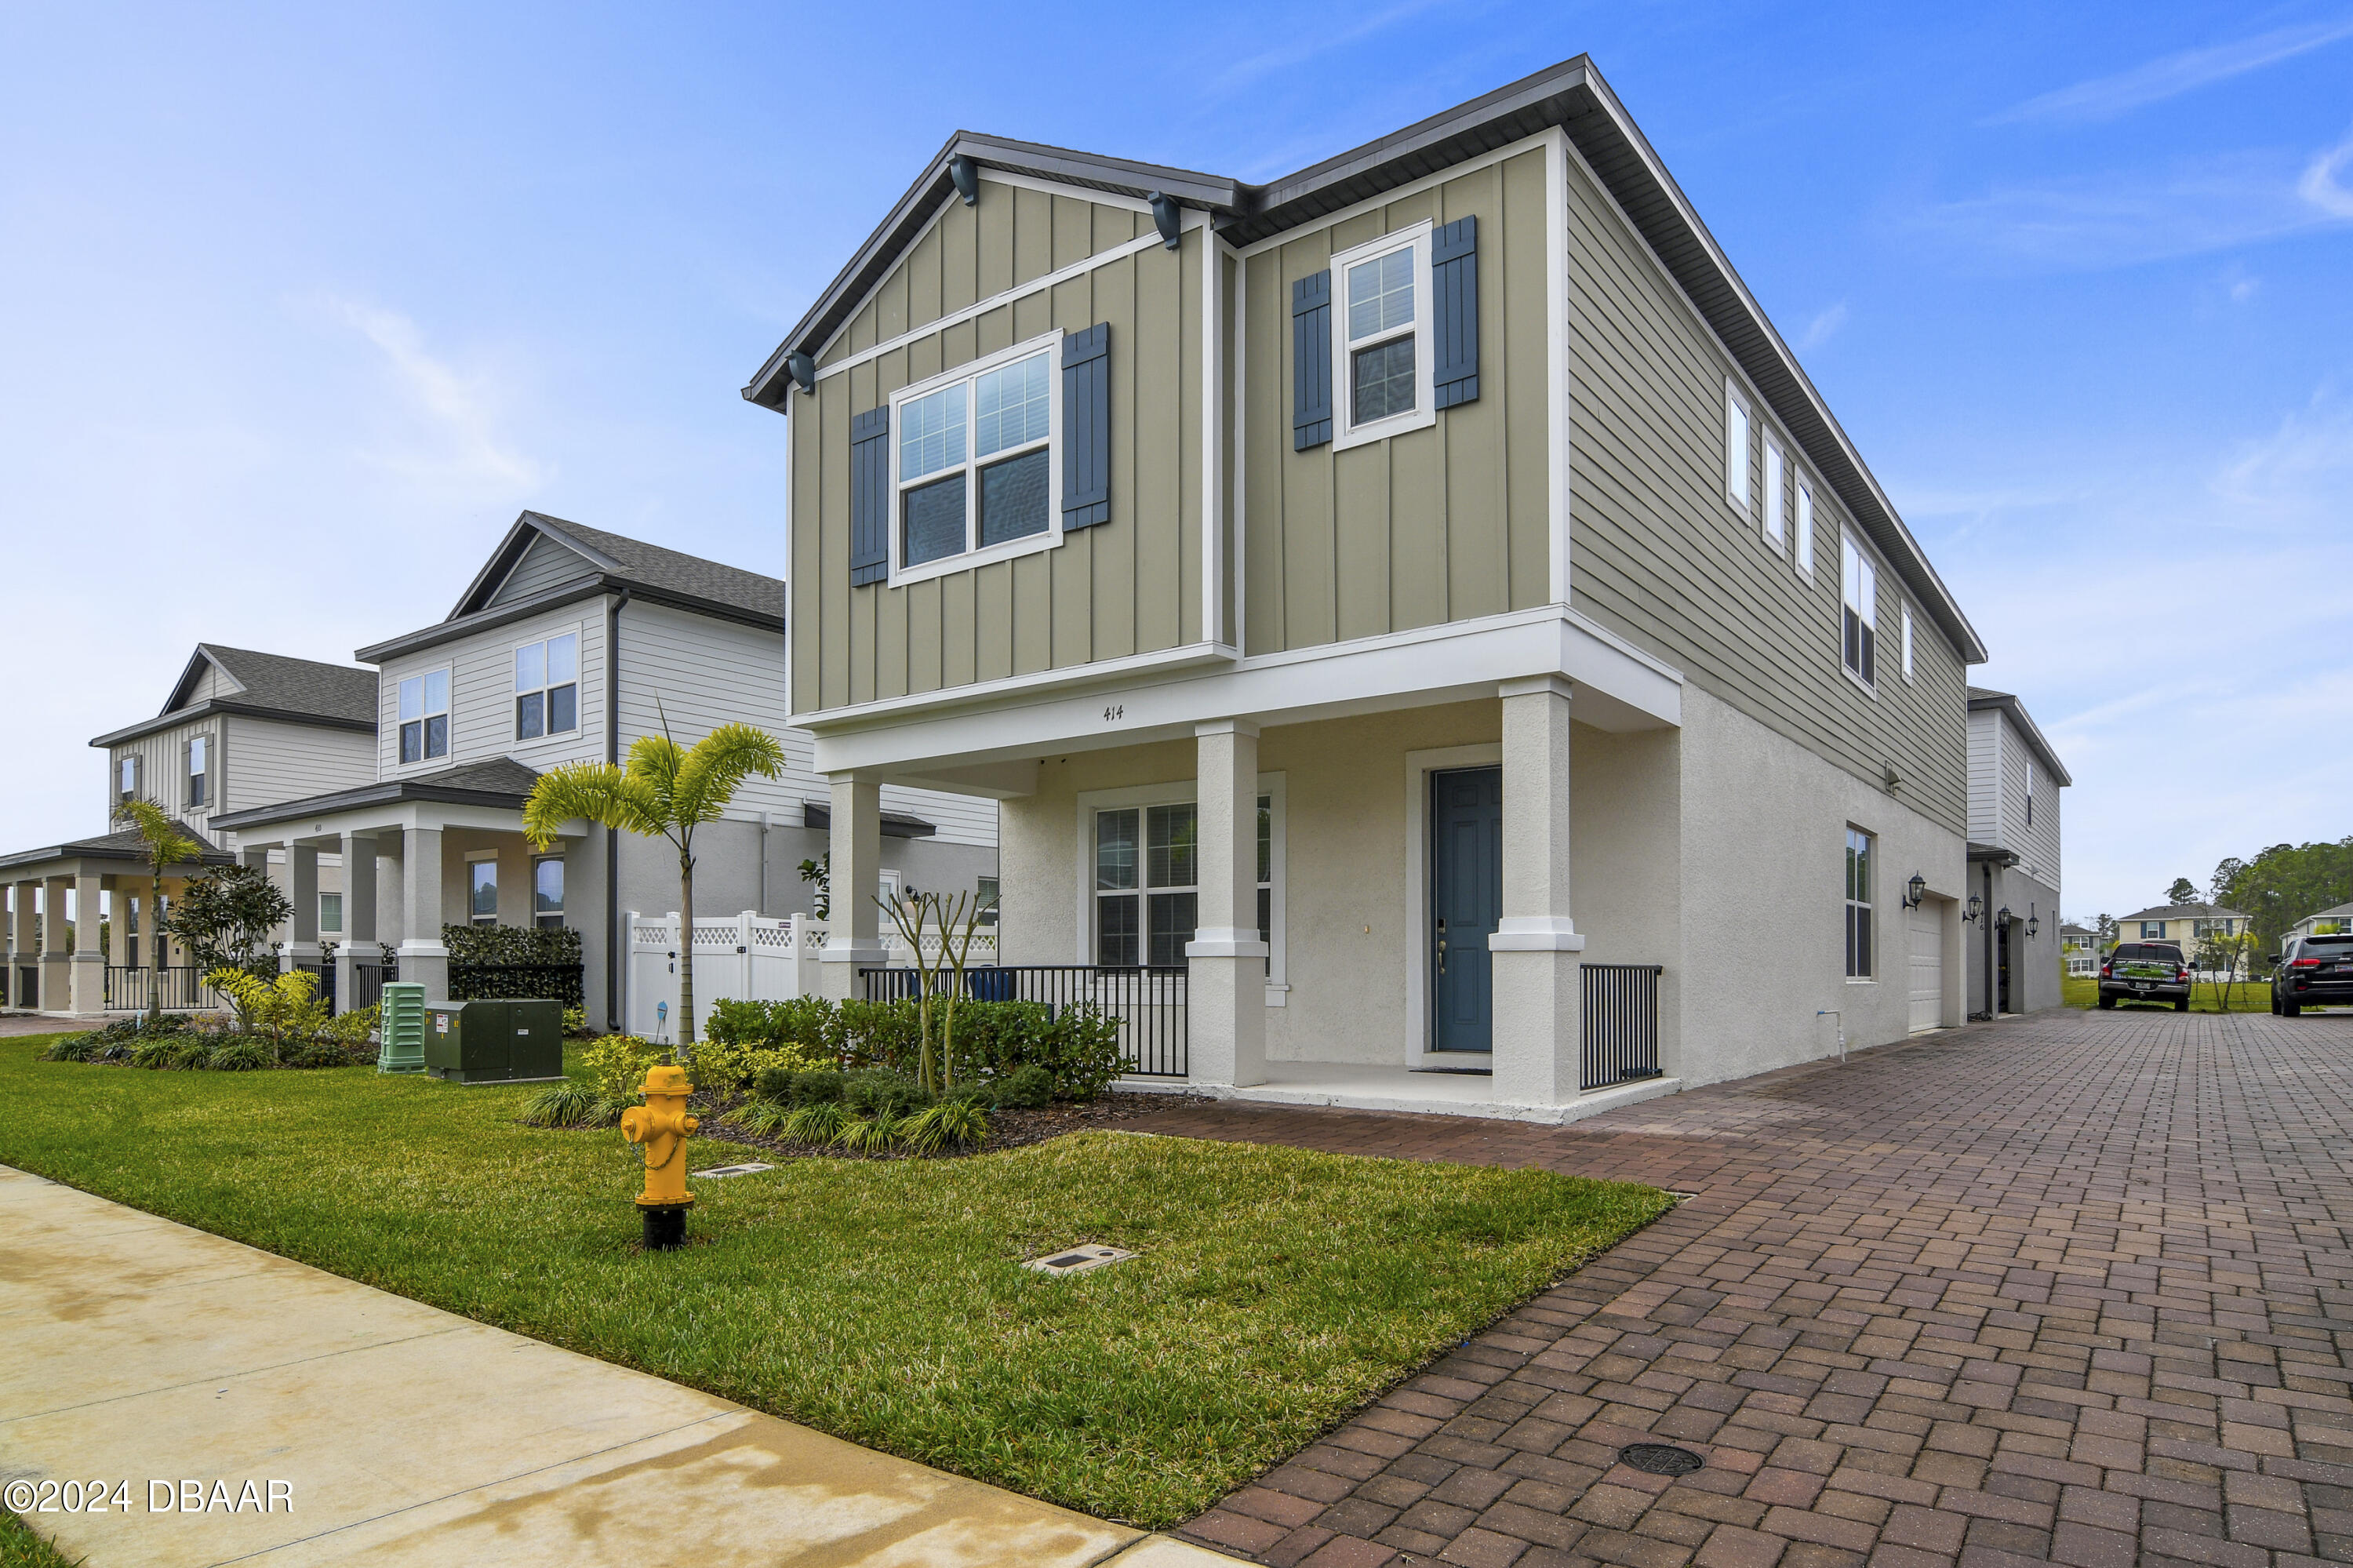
(1328, 577)
(568, 644)
(2188, 923)
(2335, 921)
(238, 729)
(2015, 777)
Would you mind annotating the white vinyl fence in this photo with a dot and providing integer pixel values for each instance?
(741, 957)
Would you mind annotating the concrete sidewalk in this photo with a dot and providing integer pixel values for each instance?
(141, 1351)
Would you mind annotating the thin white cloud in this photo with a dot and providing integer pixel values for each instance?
(1315, 39)
(2301, 473)
(2105, 97)
(457, 441)
(1823, 327)
(2320, 186)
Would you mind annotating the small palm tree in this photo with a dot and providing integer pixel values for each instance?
(167, 844)
(664, 790)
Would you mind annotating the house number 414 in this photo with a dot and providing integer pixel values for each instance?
(1116, 713)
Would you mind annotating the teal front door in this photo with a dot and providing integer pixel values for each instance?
(1466, 898)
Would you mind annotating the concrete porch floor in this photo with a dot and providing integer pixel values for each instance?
(1354, 1086)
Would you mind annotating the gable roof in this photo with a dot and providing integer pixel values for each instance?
(608, 563)
(498, 781)
(269, 685)
(1983, 697)
(125, 844)
(2342, 912)
(1571, 95)
(2186, 912)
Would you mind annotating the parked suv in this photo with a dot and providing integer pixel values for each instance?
(2146, 971)
(2315, 972)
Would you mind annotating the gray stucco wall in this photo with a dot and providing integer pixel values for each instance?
(2034, 971)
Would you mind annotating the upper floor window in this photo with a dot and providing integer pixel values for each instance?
(1805, 551)
(126, 777)
(1859, 613)
(425, 717)
(1382, 355)
(547, 687)
(2029, 794)
(1907, 675)
(972, 461)
(200, 767)
(2152, 930)
(1735, 448)
(1776, 525)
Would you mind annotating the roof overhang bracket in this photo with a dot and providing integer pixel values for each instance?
(966, 175)
(1168, 217)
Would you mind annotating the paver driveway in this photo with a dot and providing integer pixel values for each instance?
(2074, 1287)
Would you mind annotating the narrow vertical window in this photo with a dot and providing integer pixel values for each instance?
(1805, 551)
(984, 894)
(331, 913)
(1266, 878)
(1735, 448)
(547, 892)
(1776, 523)
(1907, 642)
(1858, 615)
(1119, 915)
(126, 779)
(482, 892)
(1859, 954)
(200, 751)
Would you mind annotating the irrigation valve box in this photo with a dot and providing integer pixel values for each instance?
(494, 1042)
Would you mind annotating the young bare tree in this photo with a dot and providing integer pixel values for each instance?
(958, 921)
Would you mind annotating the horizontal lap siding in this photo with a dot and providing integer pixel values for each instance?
(1129, 586)
(163, 772)
(277, 761)
(2038, 844)
(482, 696)
(1985, 764)
(544, 564)
(1444, 523)
(1660, 553)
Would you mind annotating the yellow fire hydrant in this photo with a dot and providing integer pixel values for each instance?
(662, 1125)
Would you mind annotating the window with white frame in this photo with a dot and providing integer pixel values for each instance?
(1775, 524)
(1382, 350)
(2030, 763)
(331, 913)
(547, 687)
(425, 717)
(973, 461)
(984, 895)
(1908, 646)
(1859, 954)
(200, 768)
(482, 892)
(1735, 448)
(1858, 614)
(2152, 930)
(547, 892)
(1146, 883)
(1804, 554)
(126, 777)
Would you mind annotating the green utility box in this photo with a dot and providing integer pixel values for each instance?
(494, 1042)
(400, 1028)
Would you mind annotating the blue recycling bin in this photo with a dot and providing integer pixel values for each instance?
(991, 984)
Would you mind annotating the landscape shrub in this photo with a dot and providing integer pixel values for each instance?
(724, 1066)
(248, 1054)
(1077, 1046)
(512, 944)
(192, 1055)
(617, 1063)
(571, 1104)
(1029, 1088)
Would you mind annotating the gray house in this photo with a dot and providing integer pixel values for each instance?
(2015, 777)
(568, 644)
(1429, 643)
(239, 728)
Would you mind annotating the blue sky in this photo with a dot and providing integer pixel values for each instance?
(299, 305)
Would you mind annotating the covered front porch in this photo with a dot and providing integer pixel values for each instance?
(82, 927)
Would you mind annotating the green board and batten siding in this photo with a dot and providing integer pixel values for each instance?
(1657, 551)
(1130, 585)
(1446, 523)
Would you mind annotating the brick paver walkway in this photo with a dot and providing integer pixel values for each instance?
(2072, 1287)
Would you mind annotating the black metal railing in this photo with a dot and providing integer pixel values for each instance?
(28, 985)
(1621, 1023)
(367, 981)
(175, 988)
(325, 969)
(1148, 1005)
(559, 982)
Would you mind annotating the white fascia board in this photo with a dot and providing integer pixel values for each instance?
(1620, 687)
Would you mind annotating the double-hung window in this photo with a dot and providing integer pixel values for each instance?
(1857, 613)
(1735, 448)
(200, 767)
(547, 892)
(1777, 524)
(973, 463)
(126, 779)
(331, 913)
(482, 892)
(547, 687)
(1859, 954)
(1147, 873)
(1383, 350)
(425, 717)
(1804, 554)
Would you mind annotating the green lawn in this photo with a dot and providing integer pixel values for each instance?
(2247, 996)
(20, 1547)
(1277, 1290)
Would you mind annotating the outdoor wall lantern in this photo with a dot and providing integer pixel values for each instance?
(1915, 891)
(2034, 923)
(1977, 907)
(2001, 918)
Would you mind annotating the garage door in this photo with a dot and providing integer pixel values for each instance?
(1927, 967)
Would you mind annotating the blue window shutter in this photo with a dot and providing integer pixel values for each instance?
(1455, 283)
(870, 496)
(1310, 361)
(1086, 427)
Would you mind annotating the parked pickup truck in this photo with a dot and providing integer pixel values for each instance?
(2315, 972)
(2146, 971)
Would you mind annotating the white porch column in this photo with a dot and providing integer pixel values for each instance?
(422, 955)
(853, 924)
(302, 891)
(56, 959)
(89, 957)
(1225, 984)
(359, 916)
(1538, 1030)
(21, 945)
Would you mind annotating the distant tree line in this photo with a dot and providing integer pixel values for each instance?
(2284, 884)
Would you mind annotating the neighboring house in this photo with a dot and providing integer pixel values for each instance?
(2188, 923)
(2014, 783)
(2324, 923)
(568, 645)
(2079, 949)
(238, 729)
(1327, 576)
